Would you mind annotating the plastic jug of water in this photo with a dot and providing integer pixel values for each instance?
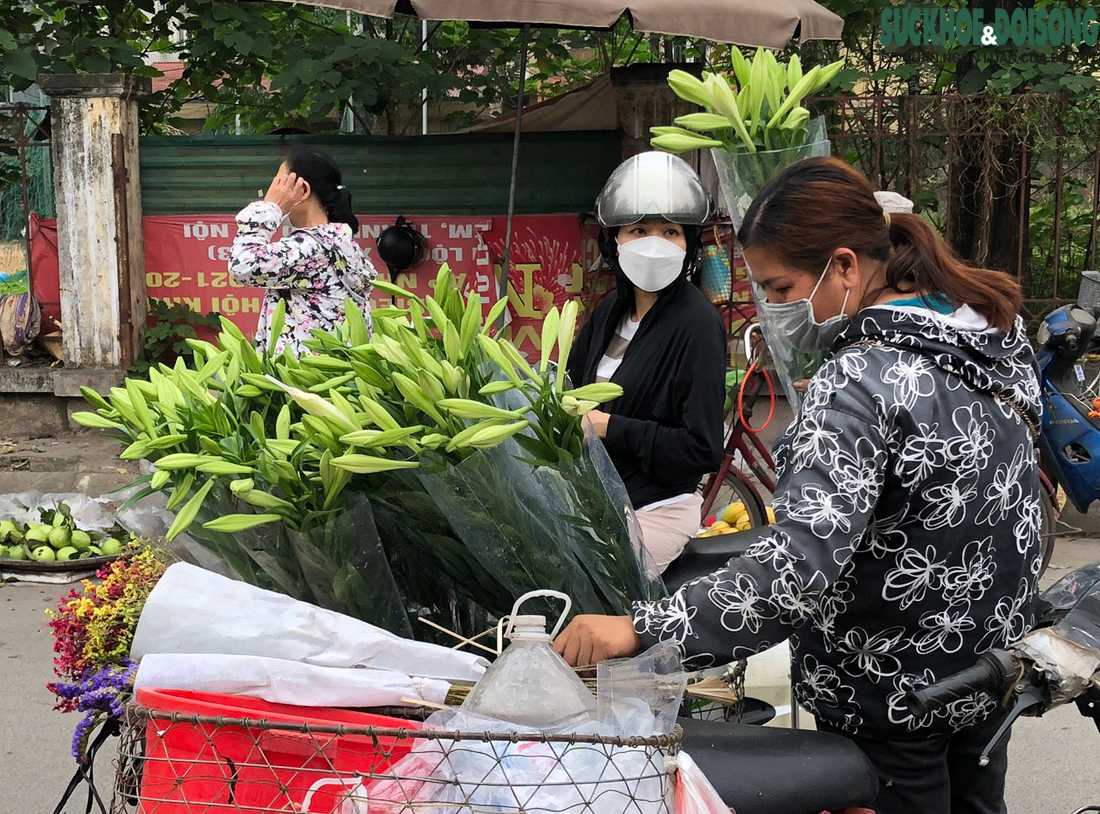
(530, 684)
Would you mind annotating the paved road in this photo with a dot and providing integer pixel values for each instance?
(1053, 771)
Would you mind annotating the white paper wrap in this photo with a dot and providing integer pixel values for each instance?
(195, 611)
(286, 682)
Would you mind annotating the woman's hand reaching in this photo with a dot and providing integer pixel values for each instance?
(287, 191)
(599, 420)
(588, 640)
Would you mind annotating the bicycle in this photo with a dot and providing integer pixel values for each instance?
(731, 484)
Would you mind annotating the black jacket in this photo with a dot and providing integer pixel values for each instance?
(666, 431)
(907, 540)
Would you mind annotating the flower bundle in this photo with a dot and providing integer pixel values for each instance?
(93, 628)
(755, 125)
(764, 112)
(428, 470)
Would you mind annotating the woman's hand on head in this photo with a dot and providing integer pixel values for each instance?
(286, 191)
(599, 421)
(589, 640)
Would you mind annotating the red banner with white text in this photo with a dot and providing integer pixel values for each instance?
(186, 261)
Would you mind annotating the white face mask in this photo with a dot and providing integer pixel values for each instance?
(651, 263)
(794, 321)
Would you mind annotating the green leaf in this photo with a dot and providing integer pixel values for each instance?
(21, 64)
(974, 80)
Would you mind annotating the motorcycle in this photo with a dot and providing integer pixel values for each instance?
(1057, 663)
(758, 770)
(1070, 442)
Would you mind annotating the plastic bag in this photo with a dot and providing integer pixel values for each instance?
(694, 793)
(280, 681)
(511, 520)
(451, 776)
(20, 322)
(89, 513)
(340, 565)
(194, 611)
(641, 696)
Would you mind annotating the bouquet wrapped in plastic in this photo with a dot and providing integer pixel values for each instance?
(754, 128)
(427, 471)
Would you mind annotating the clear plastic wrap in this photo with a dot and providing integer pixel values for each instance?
(741, 175)
(641, 695)
(339, 565)
(557, 528)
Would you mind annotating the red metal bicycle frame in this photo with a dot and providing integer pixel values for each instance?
(755, 455)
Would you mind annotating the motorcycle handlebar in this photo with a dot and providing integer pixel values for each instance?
(994, 672)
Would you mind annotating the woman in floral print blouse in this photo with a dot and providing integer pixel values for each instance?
(317, 266)
(908, 504)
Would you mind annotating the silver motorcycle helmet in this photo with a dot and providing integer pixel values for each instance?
(653, 184)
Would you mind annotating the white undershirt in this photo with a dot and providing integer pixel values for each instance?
(624, 333)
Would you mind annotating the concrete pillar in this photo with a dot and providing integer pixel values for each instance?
(645, 101)
(98, 189)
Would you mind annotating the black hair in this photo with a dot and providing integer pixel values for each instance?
(320, 171)
(787, 218)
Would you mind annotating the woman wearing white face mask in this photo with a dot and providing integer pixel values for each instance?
(660, 339)
(908, 504)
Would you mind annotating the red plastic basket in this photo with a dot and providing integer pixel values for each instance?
(208, 768)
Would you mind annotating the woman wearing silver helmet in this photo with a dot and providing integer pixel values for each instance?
(660, 339)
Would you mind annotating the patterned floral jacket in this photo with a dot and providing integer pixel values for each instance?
(907, 539)
(315, 270)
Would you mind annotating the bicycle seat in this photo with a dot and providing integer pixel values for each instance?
(761, 770)
(705, 555)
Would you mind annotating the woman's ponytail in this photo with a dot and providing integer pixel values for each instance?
(320, 170)
(810, 208)
(340, 210)
(922, 260)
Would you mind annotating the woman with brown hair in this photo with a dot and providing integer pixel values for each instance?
(907, 533)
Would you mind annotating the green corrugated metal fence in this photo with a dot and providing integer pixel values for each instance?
(455, 174)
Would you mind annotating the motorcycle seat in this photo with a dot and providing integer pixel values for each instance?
(763, 770)
(705, 555)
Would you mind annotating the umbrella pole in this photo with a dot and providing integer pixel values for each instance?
(507, 259)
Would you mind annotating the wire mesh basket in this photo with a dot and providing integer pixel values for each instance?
(1088, 295)
(177, 763)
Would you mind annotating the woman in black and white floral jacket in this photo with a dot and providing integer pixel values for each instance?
(908, 509)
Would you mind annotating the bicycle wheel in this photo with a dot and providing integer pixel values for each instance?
(1048, 529)
(735, 490)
